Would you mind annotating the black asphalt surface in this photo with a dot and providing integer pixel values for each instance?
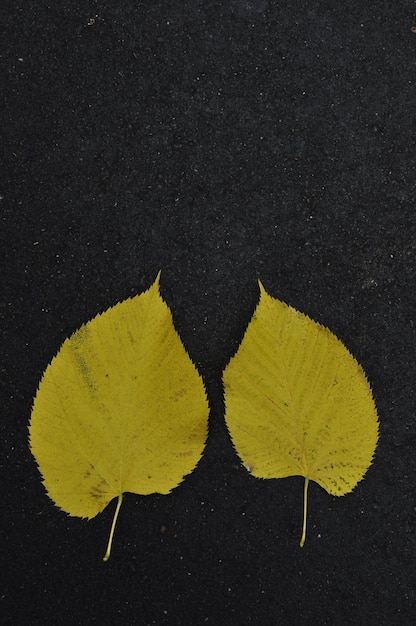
(220, 142)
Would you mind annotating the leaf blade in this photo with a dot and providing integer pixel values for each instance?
(297, 402)
(121, 408)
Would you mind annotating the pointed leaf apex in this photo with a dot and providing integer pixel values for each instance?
(262, 289)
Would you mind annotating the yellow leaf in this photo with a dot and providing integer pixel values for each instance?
(298, 403)
(121, 408)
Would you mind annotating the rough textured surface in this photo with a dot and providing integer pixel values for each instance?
(222, 142)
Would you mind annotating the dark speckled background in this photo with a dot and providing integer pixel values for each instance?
(221, 142)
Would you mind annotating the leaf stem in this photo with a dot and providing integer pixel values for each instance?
(113, 525)
(305, 509)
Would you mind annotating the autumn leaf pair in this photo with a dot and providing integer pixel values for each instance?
(122, 408)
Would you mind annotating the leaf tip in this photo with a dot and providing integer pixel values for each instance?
(261, 287)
